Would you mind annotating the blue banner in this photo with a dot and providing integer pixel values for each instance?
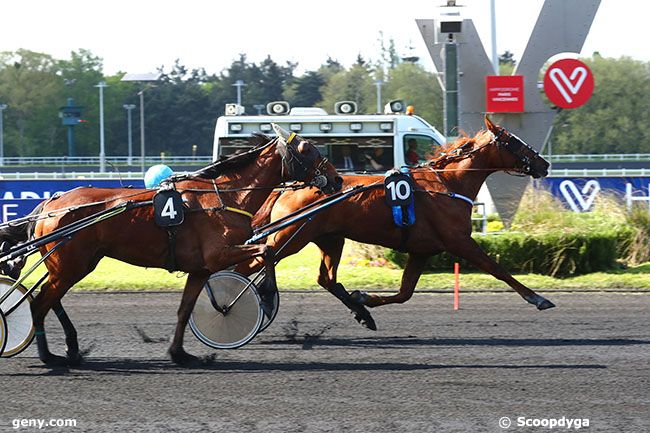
(580, 193)
(19, 197)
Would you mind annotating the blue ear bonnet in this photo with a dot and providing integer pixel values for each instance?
(156, 174)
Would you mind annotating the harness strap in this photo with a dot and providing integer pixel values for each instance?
(223, 205)
(240, 211)
(171, 251)
(461, 197)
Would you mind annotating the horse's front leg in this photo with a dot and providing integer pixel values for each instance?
(468, 249)
(193, 286)
(224, 258)
(412, 271)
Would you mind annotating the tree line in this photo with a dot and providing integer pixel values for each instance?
(182, 107)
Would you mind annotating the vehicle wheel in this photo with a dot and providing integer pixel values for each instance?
(19, 323)
(241, 315)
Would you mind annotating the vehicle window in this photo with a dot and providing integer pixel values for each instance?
(418, 148)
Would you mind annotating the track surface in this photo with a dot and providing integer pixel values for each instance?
(427, 369)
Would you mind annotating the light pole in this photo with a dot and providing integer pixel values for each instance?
(102, 150)
(129, 108)
(3, 107)
(143, 78)
(239, 84)
(259, 108)
(379, 83)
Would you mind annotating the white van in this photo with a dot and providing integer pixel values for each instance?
(352, 142)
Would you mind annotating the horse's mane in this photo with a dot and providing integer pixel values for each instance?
(449, 148)
(229, 163)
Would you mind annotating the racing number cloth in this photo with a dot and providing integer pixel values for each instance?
(168, 208)
(398, 189)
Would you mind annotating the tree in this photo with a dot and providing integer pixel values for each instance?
(305, 91)
(507, 63)
(29, 84)
(418, 87)
(616, 117)
(355, 84)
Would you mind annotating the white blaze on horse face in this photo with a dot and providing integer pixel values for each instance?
(571, 194)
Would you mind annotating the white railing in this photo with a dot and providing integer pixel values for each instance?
(70, 175)
(94, 160)
(599, 157)
(565, 172)
(599, 172)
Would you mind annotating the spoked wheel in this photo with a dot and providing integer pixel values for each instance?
(228, 311)
(19, 325)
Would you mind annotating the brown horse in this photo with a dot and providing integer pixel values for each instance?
(444, 191)
(219, 201)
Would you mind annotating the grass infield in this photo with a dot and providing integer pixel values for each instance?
(299, 272)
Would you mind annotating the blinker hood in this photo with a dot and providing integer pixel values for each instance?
(285, 135)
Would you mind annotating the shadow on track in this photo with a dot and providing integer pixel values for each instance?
(309, 341)
(133, 367)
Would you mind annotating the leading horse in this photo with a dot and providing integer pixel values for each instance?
(444, 191)
(219, 202)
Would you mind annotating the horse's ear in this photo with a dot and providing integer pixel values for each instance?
(489, 125)
(303, 147)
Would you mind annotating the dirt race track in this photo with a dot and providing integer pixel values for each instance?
(427, 369)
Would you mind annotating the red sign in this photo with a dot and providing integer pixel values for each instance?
(568, 83)
(504, 93)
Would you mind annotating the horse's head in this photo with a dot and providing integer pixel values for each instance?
(521, 156)
(301, 161)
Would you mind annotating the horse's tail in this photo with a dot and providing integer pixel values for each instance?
(263, 216)
(12, 235)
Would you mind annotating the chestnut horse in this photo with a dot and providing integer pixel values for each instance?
(444, 191)
(219, 201)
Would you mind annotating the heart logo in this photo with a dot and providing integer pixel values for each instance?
(585, 198)
(565, 84)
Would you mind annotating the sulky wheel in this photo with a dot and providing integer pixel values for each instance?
(227, 313)
(19, 325)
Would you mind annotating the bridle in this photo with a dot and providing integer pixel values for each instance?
(504, 140)
(297, 166)
(519, 149)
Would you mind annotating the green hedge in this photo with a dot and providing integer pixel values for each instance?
(558, 254)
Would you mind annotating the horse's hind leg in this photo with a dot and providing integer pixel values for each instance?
(71, 342)
(412, 272)
(41, 305)
(468, 249)
(331, 250)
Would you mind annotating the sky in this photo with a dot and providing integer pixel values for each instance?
(139, 36)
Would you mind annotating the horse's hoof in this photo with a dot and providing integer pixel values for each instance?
(52, 360)
(184, 359)
(359, 297)
(75, 359)
(545, 304)
(540, 302)
(366, 320)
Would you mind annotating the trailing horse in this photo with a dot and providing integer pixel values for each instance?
(444, 190)
(218, 202)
